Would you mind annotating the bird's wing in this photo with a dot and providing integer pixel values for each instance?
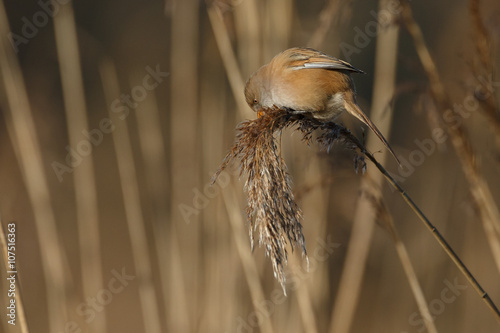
(310, 58)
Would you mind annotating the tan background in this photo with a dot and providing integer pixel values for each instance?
(198, 281)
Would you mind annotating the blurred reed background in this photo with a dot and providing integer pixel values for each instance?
(116, 114)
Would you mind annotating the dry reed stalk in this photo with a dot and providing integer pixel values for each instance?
(435, 232)
(84, 178)
(481, 35)
(249, 35)
(314, 197)
(249, 267)
(332, 11)
(221, 290)
(184, 145)
(372, 194)
(276, 19)
(20, 313)
(304, 301)
(22, 131)
(229, 59)
(488, 210)
(326, 17)
(363, 222)
(482, 39)
(282, 218)
(132, 204)
(177, 288)
(155, 163)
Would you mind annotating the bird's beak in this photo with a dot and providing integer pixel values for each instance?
(260, 114)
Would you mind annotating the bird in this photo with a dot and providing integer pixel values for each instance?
(308, 81)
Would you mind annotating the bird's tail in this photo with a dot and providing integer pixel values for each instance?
(353, 109)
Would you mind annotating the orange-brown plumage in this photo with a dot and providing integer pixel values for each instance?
(304, 80)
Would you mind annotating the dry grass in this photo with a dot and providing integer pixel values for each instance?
(132, 203)
(484, 66)
(84, 176)
(272, 210)
(353, 272)
(185, 241)
(22, 132)
(372, 194)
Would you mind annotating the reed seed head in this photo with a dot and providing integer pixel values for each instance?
(272, 211)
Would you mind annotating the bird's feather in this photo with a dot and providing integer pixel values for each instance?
(312, 59)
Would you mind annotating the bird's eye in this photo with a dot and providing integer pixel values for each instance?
(255, 101)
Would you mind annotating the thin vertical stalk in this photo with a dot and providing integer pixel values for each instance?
(252, 276)
(155, 163)
(416, 289)
(326, 17)
(483, 41)
(184, 157)
(383, 215)
(248, 28)
(229, 59)
(304, 302)
(363, 223)
(22, 131)
(84, 179)
(132, 204)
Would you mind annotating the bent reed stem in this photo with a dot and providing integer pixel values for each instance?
(435, 232)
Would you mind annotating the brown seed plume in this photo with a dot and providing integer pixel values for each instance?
(272, 211)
